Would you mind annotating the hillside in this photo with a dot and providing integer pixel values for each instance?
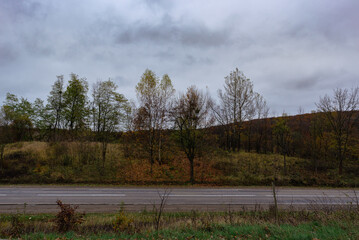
(77, 162)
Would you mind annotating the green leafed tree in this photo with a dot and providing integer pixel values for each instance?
(76, 103)
(41, 118)
(19, 114)
(55, 105)
(108, 112)
(5, 137)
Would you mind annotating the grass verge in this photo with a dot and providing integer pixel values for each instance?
(319, 223)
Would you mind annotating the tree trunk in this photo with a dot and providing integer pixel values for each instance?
(285, 164)
(249, 142)
(233, 140)
(159, 150)
(151, 143)
(2, 148)
(340, 157)
(151, 160)
(341, 165)
(239, 141)
(228, 142)
(104, 150)
(191, 170)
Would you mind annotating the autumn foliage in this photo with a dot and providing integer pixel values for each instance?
(166, 139)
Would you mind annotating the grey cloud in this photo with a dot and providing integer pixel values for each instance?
(292, 51)
(122, 81)
(303, 83)
(336, 22)
(165, 55)
(191, 60)
(168, 31)
(162, 4)
(38, 43)
(8, 54)
(19, 9)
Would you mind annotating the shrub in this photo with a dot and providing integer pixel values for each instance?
(16, 226)
(123, 223)
(67, 219)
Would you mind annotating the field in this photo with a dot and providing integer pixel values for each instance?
(80, 162)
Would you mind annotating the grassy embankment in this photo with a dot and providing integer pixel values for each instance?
(324, 223)
(80, 162)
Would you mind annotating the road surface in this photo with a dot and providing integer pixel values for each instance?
(107, 199)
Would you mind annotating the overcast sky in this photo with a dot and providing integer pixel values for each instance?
(293, 51)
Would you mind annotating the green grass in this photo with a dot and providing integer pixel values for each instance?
(308, 231)
(302, 224)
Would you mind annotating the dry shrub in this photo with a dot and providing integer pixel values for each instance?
(67, 219)
(123, 223)
(15, 229)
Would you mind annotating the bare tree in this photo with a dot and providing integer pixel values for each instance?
(191, 116)
(223, 117)
(261, 125)
(255, 110)
(317, 129)
(341, 112)
(236, 105)
(159, 211)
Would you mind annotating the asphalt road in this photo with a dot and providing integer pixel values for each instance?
(105, 199)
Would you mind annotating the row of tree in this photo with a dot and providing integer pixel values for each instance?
(191, 118)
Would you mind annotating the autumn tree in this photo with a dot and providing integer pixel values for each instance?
(75, 110)
(108, 112)
(236, 105)
(154, 97)
(282, 134)
(341, 111)
(129, 134)
(191, 117)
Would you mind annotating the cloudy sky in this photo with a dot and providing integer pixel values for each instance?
(293, 51)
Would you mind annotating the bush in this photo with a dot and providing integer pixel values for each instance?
(16, 227)
(67, 219)
(123, 223)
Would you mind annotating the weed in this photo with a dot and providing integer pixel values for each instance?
(67, 219)
(163, 197)
(123, 223)
(194, 216)
(16, 227)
